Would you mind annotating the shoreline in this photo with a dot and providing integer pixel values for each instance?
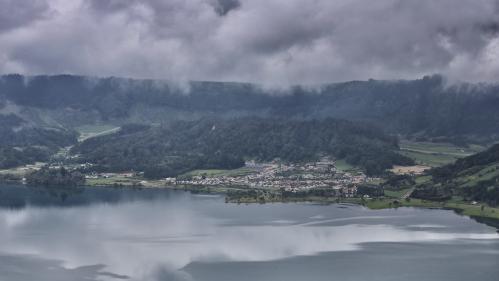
(489, 215)
(239, 195)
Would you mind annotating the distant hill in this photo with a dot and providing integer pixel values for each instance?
(423, 108)
(22, 143)
(474, 178)
(224, 144)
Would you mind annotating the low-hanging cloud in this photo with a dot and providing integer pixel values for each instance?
(267, 41)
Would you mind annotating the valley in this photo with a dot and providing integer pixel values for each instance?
(262, 146)
(325, 181)
(243, 140)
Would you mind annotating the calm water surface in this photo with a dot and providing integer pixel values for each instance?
(108, 234)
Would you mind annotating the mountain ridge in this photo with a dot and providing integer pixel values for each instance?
(426, 107)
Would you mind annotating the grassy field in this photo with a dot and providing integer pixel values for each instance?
(422, 179)
(443, 148)
(436, 154)
(472, 178)
(343, 166)
(115, 180)
(90, 131)
(22, 171)
(432, 160)
(396, 193)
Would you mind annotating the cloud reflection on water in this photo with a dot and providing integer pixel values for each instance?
(150, 240)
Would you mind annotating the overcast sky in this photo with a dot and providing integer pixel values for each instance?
(267, 41)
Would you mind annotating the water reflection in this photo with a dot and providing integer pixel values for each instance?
(25, 267)
(159, 235)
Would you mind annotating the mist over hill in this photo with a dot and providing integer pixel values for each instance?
(22, 143)
(424, 108)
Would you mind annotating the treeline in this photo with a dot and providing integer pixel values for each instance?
(22, 144)
(425, 109)
(55, 177)
(474, 178)
(225, 144)
(474, 162)
(14, 157)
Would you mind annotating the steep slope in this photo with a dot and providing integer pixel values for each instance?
(22, 144)
(474, 178)
(423, 108)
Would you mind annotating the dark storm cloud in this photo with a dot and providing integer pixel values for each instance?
(271, 41)
(491, 28)
(222, 7)
(16, 13)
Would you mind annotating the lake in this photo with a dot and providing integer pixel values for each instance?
(124, 234)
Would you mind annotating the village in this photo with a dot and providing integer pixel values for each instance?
(289, 177)
(322, 174)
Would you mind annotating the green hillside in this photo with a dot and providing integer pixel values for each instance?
(435, 154)
(164, 151)
(22, 143)
(473, 178)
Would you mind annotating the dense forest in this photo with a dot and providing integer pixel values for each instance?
(173, 149)
(55, 177)
(22, 144)
(426, 108)
(474, 178)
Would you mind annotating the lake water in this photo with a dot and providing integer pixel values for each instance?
(111, 234)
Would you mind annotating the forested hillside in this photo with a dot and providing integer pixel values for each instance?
(39, 113)
(474, 178)
(22, 144)
(217, 143)
(424, 108)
